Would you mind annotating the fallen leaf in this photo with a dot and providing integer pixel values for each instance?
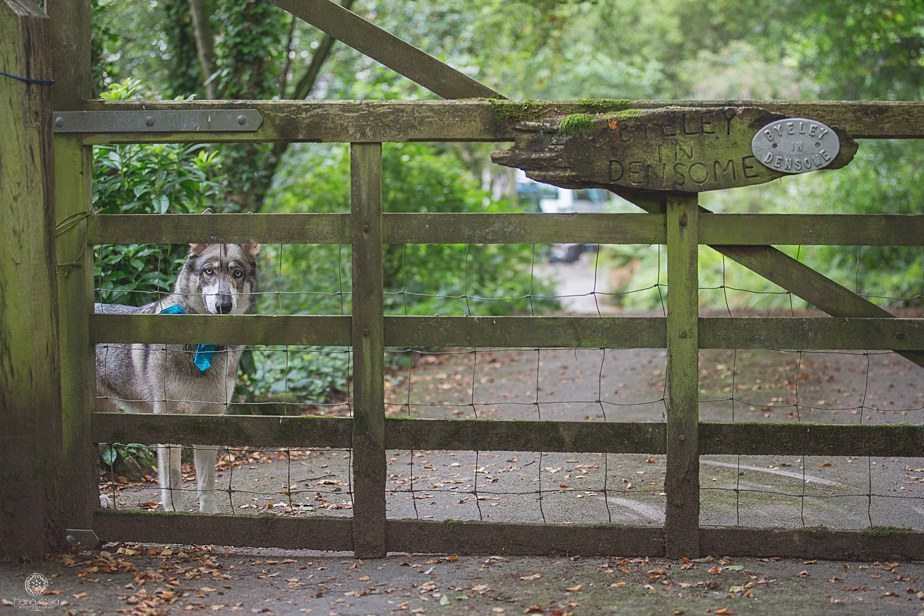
(529, 578)
(574, 588)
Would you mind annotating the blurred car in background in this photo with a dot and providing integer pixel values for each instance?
(536, 197)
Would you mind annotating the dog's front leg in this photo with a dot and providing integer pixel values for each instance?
(205, 457)
(169, 475)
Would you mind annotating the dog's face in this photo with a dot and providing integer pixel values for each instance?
(220, 278)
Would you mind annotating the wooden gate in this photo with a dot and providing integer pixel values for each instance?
(672, 218)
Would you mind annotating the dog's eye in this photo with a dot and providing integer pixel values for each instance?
(208, 271)
(238, 273)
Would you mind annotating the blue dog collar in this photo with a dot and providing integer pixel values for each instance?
(204, 352)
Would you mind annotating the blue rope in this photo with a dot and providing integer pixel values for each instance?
(27, 79)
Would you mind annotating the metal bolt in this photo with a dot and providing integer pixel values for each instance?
(149, 121)
(900, 335)
(366, 228)
(683, 334)
(683, 437)
(365, 332)
(242, 119)
(59, 121)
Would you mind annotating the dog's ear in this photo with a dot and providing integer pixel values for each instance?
(197, 249)
(252, 250)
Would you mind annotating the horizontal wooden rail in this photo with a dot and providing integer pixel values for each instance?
(524, 228)
(519, 539)
(221, 329)
(258, 531)
(473, 228)
(811, 229)
(818, 334)
(590, 332)
(822, 333)
(902, 440)
(868, 544)
(524, 435)
(219, 228)
(513, 539)
(797, 439)
(477, 120)
(227, 430)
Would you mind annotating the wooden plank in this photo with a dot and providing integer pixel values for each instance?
(220, 228)
(512, 539)
(369, 466)
(824, 333)
(868, 544)
(901, 440)
(682, 480)
(30, 371)
(258, 531)
(398, 228)
(811, 229)
(221, 329)
(70, 45)
(472, 228)
(589, 332)
(477, 120)
(792, 439)
(226, 430)
(524, 228)
(582, 332)
(398, 55)
(561, 436)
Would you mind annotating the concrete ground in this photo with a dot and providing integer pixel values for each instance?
(178, 579)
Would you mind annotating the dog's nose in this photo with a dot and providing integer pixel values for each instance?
(224, 305)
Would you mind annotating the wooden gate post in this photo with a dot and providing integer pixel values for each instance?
(70, 45)
(30, 394)
(681, 528)
(368, 351)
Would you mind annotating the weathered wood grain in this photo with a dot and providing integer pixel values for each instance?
(225, 430)
(586, 332)
(258, 531)
(811, 229)
(221, 329)
(562, 436)
(681, 482)
(678, 149)
(476, 228)
(869, 544)
(369, 466)
(480, 120)
(31, 520)
(808, 439)
(70, 48)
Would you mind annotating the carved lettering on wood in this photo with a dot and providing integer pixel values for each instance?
(675, 149)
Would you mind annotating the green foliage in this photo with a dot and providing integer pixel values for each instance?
(147, 179)
(132, 459)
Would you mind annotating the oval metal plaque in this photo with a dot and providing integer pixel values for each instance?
(795, 145)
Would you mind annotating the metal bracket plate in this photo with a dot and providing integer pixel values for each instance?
(159, 121)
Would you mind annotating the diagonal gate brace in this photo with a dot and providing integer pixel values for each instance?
(781, 269)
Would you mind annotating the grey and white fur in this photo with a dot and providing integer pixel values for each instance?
(159, 378)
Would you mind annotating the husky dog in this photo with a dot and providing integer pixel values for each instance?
(190, 379)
